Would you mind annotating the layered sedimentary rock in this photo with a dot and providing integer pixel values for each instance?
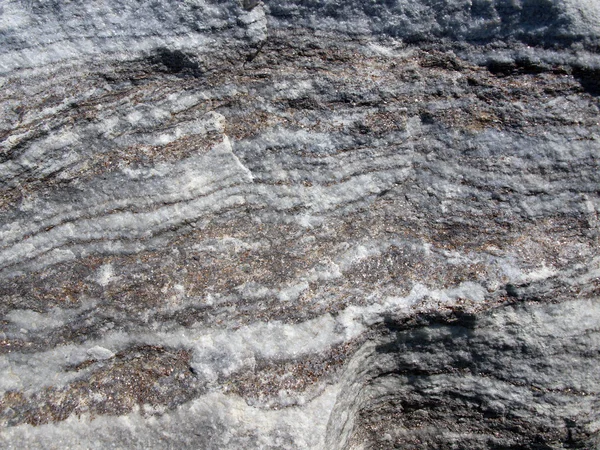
(315, 224)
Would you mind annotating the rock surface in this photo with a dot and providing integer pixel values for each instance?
(314, 224)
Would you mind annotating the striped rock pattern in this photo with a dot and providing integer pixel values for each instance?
(325, 225)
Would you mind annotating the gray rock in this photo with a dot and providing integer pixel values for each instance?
(313, 224)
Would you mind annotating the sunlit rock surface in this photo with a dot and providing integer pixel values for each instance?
(300, 225)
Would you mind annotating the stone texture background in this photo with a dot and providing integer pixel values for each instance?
(313, 224)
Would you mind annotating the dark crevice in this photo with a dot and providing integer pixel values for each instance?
(175, 62)
(589, 79)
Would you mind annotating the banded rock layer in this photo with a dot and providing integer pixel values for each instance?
(299, 225)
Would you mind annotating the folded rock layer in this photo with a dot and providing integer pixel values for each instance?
(313, 224)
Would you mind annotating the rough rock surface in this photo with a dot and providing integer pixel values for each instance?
(315, 224)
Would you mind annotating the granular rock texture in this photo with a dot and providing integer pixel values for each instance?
(288, 225)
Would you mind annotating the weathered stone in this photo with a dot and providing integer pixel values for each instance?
(313, 224)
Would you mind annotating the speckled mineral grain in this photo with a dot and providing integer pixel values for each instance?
(311, 224)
